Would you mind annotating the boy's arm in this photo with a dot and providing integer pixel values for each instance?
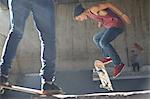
(119, 12)
(115, 9)
(102, 6)
(95, 9)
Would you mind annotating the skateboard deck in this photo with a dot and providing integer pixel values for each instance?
(26, 90)
(103, 75)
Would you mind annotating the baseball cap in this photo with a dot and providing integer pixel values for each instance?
(78, 10)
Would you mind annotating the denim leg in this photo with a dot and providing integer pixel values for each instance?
(44, 17)
(18, 15)
(104, 42)
(96, 39)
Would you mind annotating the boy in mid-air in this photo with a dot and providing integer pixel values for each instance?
(113, 20)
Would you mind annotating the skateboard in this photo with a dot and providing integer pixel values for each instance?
(103, 75)
(27, 90)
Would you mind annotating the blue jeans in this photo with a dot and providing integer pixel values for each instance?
(44, 18)
(102, 41)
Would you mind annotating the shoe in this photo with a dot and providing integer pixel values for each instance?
(4, 80)
(118, 69)
(105, 60)
(50, 88)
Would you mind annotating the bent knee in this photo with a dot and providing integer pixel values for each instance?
(95, 40)
(102, 43)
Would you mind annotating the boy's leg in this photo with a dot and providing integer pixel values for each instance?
(44, 17)
(104, 42)
(18, 15)
(96, 39)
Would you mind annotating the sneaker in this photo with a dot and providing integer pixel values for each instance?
(51, 88)
(118, 69)
(4, 80)
(105, 60)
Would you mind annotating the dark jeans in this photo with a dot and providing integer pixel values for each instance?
(102, 41)
(136, 67)
(43, 15)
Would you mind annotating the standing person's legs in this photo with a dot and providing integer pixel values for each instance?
(133, 66)
(44, 17)
(138, 67)
(18, 15)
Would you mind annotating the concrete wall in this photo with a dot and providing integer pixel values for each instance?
(75, 49)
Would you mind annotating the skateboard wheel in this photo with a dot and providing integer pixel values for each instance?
(101, 86)
(111, 89)
(2, 91)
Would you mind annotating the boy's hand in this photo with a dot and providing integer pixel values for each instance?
(99, 24)
(126, 19)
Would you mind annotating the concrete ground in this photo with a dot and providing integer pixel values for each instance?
(78, 83)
